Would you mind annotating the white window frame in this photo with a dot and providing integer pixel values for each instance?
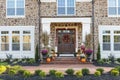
(27, 42)
(15, 16)
(18, 53)
(117, 15)
(66, 9)
(105, 54)
(106, 34)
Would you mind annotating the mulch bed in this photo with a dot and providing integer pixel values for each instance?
(105, 64)
(66, 77)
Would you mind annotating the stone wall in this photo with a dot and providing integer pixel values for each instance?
(101, 18)
(30, 19)
(83, 9)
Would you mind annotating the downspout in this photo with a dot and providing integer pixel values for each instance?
(93, 29)
(39, 31)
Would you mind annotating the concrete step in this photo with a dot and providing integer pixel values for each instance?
(66, 60)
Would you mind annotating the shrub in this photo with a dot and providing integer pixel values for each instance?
(97, 73)
(98, 53)
(27, 74)
(85, 71)
(118, 68)
(2, 69)
(70, 71)
(21, 71)
(37, 72)
(114, 72)
(31, 61)
(118, 59)
(12, 72)
(100, 61)
(101, 70)
(52, 72)
(36, 54)
(79, 74)
(59, 74)
(42, 74)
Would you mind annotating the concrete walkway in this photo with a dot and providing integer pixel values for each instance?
(63, 67)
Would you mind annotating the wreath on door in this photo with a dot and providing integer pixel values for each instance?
(66, 38)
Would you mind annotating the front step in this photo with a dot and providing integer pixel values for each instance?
(66, 55)
(66, 60)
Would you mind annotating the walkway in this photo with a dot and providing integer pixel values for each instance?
(63, 67)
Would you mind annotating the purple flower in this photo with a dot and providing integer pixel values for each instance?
(88, 51)
(82, 47)
(44, 51)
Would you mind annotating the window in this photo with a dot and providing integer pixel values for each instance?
(114, 7)
(66, 7)
(117, 40)
(15, 41)
(26, 41)
(4, 41)
(106, 42)
(15, 8)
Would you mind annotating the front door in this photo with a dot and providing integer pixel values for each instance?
(66, 40)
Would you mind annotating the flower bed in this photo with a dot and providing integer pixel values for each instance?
(17, 73)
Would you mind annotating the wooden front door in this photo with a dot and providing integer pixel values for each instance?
(66, 40)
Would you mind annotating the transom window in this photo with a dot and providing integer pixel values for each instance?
(66, 7)
(15, 8)
(114, 7)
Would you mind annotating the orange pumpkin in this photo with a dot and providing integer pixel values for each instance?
(83, 60)
(48, 60)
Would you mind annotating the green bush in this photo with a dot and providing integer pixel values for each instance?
(31, 61)
(37, 72)
(36, 54)
(59, 74)
(100, 61)
(79, 74)
(2, 69)
(97, 73)
(42, 74)
(12, 72)
(21, 71)
(101, 70)
(27, 74)
(118, 59)
(85, 71)
(98, 53)
(70, 71)
(52, 72)
(114, 72)
(118, 68)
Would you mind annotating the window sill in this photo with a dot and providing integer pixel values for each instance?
(56, 0)
(15, 16)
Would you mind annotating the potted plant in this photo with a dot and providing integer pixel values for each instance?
(44, 53)
(88, 53)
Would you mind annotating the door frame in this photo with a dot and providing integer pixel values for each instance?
(70, 28)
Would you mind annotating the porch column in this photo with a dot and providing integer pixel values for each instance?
(85, 30)
(46, 28)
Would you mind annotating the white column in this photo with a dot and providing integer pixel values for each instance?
(85, 30)
(46, 27)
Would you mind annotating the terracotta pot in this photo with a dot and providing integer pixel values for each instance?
(83, 60)
(48, 60)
